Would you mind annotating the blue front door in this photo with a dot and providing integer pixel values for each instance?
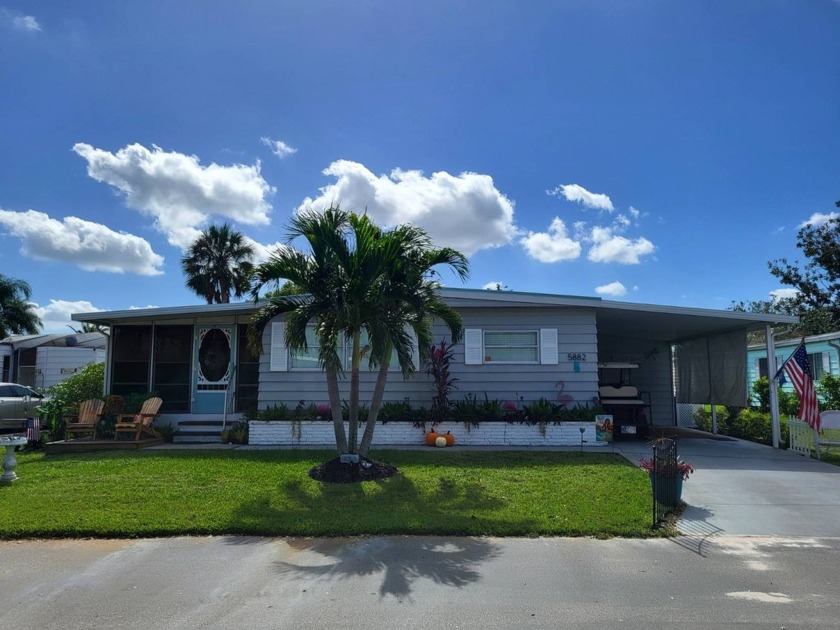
(214, 367)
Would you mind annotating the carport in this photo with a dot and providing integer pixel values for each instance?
(685, 355)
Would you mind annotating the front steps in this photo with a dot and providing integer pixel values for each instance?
(200, 431)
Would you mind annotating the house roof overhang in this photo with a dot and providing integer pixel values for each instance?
(627, 319)
(94, 340)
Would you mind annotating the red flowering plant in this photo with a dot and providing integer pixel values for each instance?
(659, 467)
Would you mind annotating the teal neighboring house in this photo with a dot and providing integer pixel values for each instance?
(823, 355)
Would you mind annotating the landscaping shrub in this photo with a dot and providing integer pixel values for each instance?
(440, 360)
(748, 424)
(64, 397)
(471, 411)
(703, 417)
(756, 426)
(788, 401)
(828, 390)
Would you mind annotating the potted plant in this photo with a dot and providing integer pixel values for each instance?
(664, 480)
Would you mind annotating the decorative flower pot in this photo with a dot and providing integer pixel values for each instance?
(667, 490)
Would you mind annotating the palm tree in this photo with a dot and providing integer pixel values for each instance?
(358, 279)
(218, 263)
(89, 328)
(17, 313)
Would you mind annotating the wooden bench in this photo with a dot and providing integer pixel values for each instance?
(801, 434)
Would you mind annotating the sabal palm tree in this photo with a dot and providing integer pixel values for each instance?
(359, 279)
(17, 313)
(218, 264)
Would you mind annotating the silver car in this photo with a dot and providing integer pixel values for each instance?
(17, 403)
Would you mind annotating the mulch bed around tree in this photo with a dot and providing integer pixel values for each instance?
(333, 471)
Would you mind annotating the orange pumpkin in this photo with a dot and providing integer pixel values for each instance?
(431, 436)
(450, 439)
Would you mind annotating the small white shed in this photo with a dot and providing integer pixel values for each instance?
(41, 361)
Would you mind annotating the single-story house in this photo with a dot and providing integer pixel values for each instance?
(517, 346)
(823, 357)
(41, 361)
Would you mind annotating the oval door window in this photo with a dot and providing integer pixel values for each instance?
(214, 355)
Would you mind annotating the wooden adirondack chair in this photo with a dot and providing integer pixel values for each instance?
(85, 420)
(139, 423)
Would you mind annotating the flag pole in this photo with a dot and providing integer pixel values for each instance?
(774, 392)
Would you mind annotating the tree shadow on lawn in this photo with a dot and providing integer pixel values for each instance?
(389, 506)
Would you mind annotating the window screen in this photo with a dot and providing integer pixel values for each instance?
(511, 346)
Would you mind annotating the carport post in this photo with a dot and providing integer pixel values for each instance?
(774, 393)
(714, 418)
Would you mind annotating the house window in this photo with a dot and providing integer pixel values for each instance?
(393, 363)
(307, 359)
(511, 346)
(762, 366)
(815, 360)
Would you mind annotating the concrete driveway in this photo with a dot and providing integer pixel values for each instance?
(746, 489)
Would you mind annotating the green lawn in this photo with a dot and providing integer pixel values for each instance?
(164, 493)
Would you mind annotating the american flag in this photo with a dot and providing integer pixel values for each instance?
(799, 371)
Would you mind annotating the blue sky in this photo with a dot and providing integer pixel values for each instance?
(652, 151)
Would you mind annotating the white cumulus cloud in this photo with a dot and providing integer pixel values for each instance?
(608, 247)
(496, 285)
(263, 252)
(819, 218)
(613, 288)
(91, 246)
(466, 211)
(56, 315)
(19, 21)
(278, 147)
(784, 293)
(579, 194)
(177, 191)
(552, 246)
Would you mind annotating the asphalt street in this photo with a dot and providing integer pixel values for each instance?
(422, 582)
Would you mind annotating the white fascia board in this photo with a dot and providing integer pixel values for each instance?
(517, 298)
(199, 310)
(756, 318)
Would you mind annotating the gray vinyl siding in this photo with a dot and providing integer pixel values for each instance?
(576, 333)
(654, 374)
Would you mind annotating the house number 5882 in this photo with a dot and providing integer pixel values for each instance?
(576, 356)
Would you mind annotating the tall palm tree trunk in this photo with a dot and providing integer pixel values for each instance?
(335, 408)
(353, 431)
(375, 405)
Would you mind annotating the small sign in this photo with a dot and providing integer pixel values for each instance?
(69, 370)
(604, 428)
(350, 458)
(628, 429)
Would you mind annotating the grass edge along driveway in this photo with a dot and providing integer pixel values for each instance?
(168, 493)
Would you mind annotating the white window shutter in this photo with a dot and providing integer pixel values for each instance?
(473, 346)
(279, 357)
(826, 361)
(548, 346)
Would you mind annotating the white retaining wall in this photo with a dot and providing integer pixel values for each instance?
(319, 433)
